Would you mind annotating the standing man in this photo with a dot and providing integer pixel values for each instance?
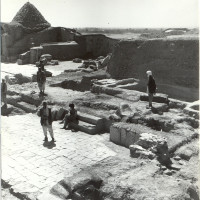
(46, 121)
(151, 87)
(4, 92)
(41, 80)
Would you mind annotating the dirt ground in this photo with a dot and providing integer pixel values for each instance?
(123, 177)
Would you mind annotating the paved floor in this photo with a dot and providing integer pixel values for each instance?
(32, 166)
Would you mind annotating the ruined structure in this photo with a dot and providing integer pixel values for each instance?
(173, 60)
(29, 29)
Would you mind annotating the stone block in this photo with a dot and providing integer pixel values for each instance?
(132, 137)
(60, 191)
(60, 114)
(53, 114)
(191, 112)
(159, 98)
(47, 196)
(26, 107)
(115, 135)
(148, 140)
(137, 151)
(123, 140)
(48, 57)
(13, 99)
(77, 60)
(22, 79)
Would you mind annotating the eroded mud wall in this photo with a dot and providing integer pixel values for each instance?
(12, 46)
(174, 62)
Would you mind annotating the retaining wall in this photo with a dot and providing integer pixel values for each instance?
(174, 62)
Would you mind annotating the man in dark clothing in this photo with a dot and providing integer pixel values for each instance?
(151, 87)
(4, 92)
(46, 121)
(41, 80)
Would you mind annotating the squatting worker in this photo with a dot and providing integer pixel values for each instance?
(151, 87)
(4, 92)
(71, 117)
(46, 121)
(41, 80)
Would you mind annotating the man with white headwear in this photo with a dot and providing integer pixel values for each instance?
(151, 87)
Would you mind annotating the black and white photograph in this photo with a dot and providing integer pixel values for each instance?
(99, 100)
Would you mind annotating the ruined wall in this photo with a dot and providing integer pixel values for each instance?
(174, 63)
(12, 46)
(96, 44)
(63, 51)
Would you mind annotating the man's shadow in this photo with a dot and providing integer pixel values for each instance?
(49, 144)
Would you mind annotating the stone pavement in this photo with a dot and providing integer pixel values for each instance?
(32, 166)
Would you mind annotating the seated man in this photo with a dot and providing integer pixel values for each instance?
(71, 117)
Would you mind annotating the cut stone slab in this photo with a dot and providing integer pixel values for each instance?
(137, 151)
(99, 122)
(59, 191)
(13, 99)
(159, 98)
(124, 134)
(129, 86)
(48, 196)
(191, 112)
(85, 127)
(31, 98)
(26, 107)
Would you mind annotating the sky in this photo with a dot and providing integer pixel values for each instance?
(111, 13)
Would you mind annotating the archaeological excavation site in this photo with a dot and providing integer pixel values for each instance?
(120, 146)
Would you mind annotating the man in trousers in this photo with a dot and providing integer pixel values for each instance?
(46, 121)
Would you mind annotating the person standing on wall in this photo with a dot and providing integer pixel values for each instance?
(41, 80)
(151, 87)
(46, 121)
(4, 92)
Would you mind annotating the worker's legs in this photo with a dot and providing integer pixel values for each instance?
(150, 99)
(50, 129)
(43, 87)
(40, 87)
(45, 132)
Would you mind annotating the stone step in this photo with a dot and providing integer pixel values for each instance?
(159, 98)
(90, 118)
(85, 127)
(26, 107)
(129, 86)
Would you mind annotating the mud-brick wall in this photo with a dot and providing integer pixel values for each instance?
(63, 51)
(12, 47)
(96, 44)
(174, 62)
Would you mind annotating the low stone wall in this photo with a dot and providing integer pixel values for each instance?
(123, 134)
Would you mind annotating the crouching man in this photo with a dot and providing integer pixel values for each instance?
(46, 121)
(72, 117)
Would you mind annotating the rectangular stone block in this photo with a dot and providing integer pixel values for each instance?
(115, 135)
(123, 140)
